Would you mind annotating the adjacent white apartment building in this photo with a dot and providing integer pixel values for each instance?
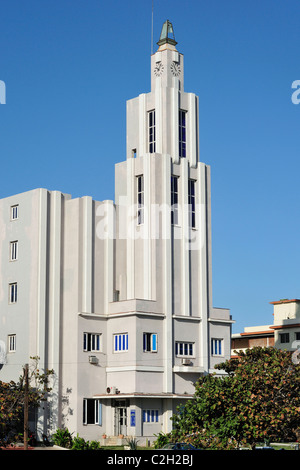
(116, 296)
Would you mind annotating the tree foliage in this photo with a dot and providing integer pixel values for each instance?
(258, 400)
(12, 397)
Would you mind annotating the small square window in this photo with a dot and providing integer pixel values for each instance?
(150, 416)
(216, 347)
(121, 342)
(91, 342)
(150, 342)
(284, 338)
(92, 411)
(184, 349)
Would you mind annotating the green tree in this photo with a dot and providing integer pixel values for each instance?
(12, 397)
(258, 400)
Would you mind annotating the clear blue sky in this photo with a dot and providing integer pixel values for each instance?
(70, 65)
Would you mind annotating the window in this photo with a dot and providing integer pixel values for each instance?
(121, 342)
(91, 342)
(140, 199)
(174, 200)
(216, 347)
(151, 127)
(182, 133)
(184, 349)
(284, 337)
(13, 293)
(11, 343)
(92, 411)
(13, 251)
(150, 416)
(297, 336)
(192, 205)
(14, 212)
(150, 342)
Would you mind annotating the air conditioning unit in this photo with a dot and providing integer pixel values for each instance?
(93, 360)
(112, 390)
(185, 362)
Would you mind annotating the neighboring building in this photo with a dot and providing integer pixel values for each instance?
(252, 336)
(117, 297)
(283, 334)
(286, 324)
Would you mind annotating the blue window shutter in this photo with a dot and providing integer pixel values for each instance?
(99, 413)
(154, 342)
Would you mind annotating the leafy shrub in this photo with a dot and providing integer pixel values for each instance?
(162, 440)
(132, 442)
(62, 438)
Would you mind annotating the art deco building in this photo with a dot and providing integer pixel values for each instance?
(116, 297)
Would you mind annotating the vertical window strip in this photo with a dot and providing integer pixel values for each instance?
(140, 199)
(174, 200)
(182, 133)
(13, 293)
(192, 203)
(11, 343)
(152, 132)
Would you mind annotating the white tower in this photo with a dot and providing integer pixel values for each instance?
(163, 199)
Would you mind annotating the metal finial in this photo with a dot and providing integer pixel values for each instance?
(167, 34)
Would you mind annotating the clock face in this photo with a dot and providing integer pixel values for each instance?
(175, 69)
(159, 68)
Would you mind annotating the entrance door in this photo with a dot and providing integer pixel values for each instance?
(121, 420)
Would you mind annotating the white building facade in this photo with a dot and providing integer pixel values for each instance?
(116, 297)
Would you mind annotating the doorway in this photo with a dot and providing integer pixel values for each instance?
(120, 418)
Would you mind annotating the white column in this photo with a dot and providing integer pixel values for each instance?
(158, 119)
(175, 124)
(131, 188)
(147, 274)
(192, 128)
(87, 253)
(42, 277)
(109, 254)
(143, 138)
(185, 252)
(203, 287)
(167, 278)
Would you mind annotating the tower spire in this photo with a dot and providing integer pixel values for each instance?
(167, 34)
